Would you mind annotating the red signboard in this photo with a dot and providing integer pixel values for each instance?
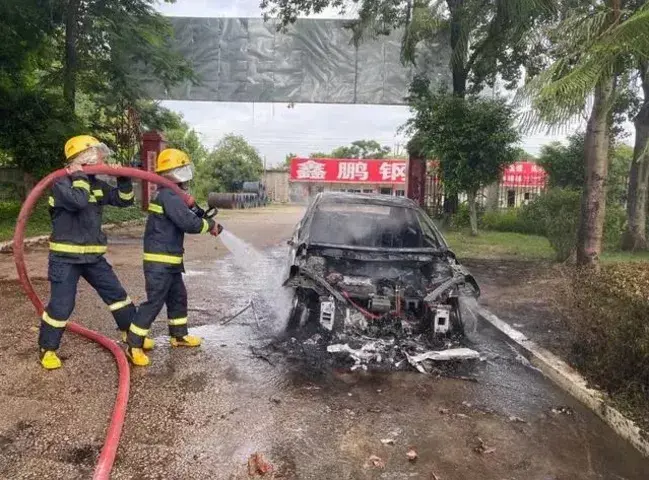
(339, 170)
(524, 174)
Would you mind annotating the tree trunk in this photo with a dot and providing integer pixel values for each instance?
(71, 62)
(459, 48)
(460, 53)
(635, 236)
(473, 212)
(593, 205)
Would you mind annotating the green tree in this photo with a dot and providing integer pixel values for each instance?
(590, 49)
(231, 162)
(473, 137)
(564, 164)
(565, 167)
(287, 160)
(75, 66)
(34, 122)
(362, 149)
(33, 130)
(109, 44)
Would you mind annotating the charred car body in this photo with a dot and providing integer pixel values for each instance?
(365, 262)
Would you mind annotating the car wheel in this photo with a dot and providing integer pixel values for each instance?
(457, 325)
(297, 314)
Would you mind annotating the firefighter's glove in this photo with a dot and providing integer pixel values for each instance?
(198, 211)
(216, 231)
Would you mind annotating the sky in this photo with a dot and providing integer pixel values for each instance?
(277, 130)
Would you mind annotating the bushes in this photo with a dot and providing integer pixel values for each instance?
(510, 220)
(554, 215)
(607, 315)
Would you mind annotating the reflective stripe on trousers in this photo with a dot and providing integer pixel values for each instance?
(80, 249)
(163, 258)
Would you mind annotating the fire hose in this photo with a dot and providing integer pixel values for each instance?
(109, 449)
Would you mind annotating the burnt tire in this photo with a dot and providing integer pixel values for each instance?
(296, 316)
(457, 324)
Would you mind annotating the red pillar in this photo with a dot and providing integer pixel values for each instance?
(416, 182)
(153, 143)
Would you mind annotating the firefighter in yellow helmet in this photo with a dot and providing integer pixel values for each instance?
(169, 219)
(77, 245)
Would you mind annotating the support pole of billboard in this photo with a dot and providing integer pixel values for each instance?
(416, 180)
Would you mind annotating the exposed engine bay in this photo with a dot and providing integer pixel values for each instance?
(370, 291)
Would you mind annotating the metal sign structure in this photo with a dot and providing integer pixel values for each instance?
(315, 61)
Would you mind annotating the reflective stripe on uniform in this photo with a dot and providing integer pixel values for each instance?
(117, 305)
(140, 332)
(127, 196)
(81, 249)
(92, 198)
(161, 258)
(155, 208)
(98, 193)
(52, 322)
(50, 201)
(206, 226)
(176, 322)
(81, 184)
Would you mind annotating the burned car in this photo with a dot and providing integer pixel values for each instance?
(365, 262)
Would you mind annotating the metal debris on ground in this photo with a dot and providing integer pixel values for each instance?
(394, 353)
(563, 410)
(412, 454)
(387, 441)
(261, 356)
(258, 465)
(516, 419)
(417, 361)
(482, 448)
(375, 462)
(227, 320)
(361, 357)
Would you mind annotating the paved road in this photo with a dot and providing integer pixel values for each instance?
(200, 414)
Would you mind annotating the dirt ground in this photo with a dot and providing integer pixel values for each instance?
(201, 413)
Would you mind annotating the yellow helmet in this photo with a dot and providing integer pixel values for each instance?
(78, 144)
(171, 158)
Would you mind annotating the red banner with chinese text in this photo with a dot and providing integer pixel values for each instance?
(337, 170)
(524, 174)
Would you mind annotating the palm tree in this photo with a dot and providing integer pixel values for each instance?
(591, 48)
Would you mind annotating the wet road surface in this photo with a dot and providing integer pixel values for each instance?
(311, 423)
(197, 414)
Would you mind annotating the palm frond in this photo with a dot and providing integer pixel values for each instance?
(590, 49)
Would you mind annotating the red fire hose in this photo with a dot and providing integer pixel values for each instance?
(109, 450)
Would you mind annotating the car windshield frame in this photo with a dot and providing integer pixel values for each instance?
(427, 228)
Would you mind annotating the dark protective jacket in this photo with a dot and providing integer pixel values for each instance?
(164, 236)
(76, 207)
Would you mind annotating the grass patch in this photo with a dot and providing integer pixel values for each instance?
(491, 244)
(39, 222)
(624, 257)
(509, 245)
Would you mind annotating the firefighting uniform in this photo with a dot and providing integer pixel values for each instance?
(77, 247)
(164, 236)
